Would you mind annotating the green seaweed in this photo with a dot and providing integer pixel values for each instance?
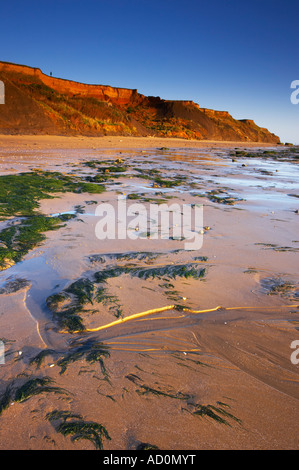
(168, 271)
(58, 414)
(74, 425)
(281, 155)
(36, 386)
(201, 258)
(145, 390)
(5, 399)
(146, 446)
(91, 351)
(69, 319)
(19, 197)
(278, 286)
(222, 197)
(18, 240)
(14, 285)
(272, 246)
(91, 188)
(133, 255)
(66, 306)
(216, 413)
(166, 183)
(39, 358)
(56, 300)
(111, 300)
(82, 290)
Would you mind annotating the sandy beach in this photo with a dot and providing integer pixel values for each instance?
(114, 142)
(177, 349)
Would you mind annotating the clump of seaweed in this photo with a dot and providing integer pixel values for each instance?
(146, 446)
(82, 290)
(66, 306)
(91, 351)
(272, 246)
(278, 286)
(69, 319)
(14, 285)
(40, 357)
(216, 413)
(283, 154)
(19, 197)
(170, 271)
(111, 300)
(145, 390)
(32, 387)
(167, 183)
(36, 386)
(133, 255)
(5, 400)
(18, 240)
(203, 259)
(74, 425)
(222, 197)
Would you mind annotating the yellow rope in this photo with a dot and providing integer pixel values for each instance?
(171, 307)
(154, 349)
(132, 317)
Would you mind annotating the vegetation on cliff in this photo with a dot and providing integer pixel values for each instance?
(38, 104)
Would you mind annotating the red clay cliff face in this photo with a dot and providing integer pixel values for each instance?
(38, 103)
(120, 96)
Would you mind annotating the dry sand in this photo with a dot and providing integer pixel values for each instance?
(114, 142)
(235, 359)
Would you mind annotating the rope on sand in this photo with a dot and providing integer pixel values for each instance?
(173, 307)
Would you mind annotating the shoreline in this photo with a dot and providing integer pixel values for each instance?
(114, 142)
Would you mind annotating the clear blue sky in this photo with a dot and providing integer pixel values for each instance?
(234, 55)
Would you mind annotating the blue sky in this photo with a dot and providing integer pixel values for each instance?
(223, 54)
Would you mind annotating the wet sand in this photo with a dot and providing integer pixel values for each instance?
(215, 373)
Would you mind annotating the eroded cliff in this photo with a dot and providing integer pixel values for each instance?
(38, 103)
